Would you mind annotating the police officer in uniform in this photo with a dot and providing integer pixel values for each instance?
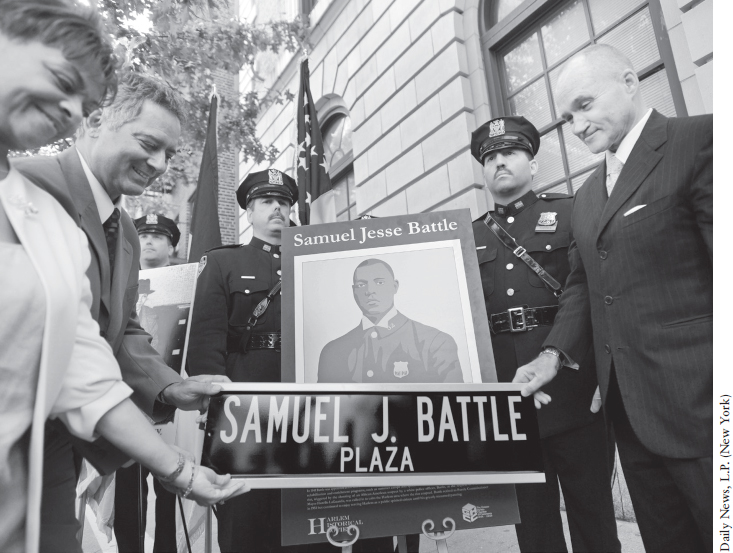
(232, 281)
(159, 237)
(521, 309)
(225, 339)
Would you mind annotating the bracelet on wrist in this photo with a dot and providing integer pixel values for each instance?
(173, 475)
(189, 488)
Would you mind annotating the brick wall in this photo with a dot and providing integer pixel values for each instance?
(405, 75)
(690, 27)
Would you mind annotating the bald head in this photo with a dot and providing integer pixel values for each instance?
(604, 60)
(598, 95)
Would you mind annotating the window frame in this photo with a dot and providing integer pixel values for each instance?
(524, 20)
(345, 165)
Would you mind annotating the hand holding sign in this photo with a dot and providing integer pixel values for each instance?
(204, 486)
(537, 373)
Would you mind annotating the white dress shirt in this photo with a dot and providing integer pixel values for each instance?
(629, 141)
(101, 197)
(383, 322)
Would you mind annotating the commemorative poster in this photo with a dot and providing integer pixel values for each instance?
(165, 301)
(394, 300)
(163, 308)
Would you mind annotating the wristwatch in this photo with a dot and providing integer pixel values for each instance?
(553, 351)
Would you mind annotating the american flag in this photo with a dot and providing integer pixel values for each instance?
(311, 168)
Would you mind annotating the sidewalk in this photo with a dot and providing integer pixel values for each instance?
(502, 539)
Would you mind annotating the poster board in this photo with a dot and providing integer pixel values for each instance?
(434, 286)
(432, 258)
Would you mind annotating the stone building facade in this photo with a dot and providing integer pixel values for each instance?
(401, 84)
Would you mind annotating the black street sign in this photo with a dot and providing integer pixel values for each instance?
(339, 435)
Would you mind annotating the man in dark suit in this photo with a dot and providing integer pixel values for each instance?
(386, 346)
(641, 273)
(122, 149)
(521, 310)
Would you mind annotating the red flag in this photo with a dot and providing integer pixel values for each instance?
(205, 231)
(312, 169)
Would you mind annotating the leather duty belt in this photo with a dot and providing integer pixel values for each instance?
(507, 239)
(522, 319)
(264, 340)
(259, 310)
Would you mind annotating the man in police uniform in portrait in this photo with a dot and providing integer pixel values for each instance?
(522, 308)
(159, 237)
(386, 346)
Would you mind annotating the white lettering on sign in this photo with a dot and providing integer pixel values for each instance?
(227, 439)
(373, 234)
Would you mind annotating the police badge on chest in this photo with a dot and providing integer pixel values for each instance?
(400, 369)
(547, 222)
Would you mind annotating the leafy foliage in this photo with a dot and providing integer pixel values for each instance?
(188, 44)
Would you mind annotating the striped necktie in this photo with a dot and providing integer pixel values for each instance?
(111, 228)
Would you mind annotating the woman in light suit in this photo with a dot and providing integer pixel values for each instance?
(55, 64)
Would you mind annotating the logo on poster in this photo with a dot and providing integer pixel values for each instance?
(322, 524)
(471, 513)
(400, 369)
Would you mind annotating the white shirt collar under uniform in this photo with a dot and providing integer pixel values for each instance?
(384, 322)
(101, 198)
(629, 141)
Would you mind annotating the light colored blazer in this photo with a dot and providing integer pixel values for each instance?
(79, 379)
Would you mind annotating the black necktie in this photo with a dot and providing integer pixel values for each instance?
(111, 226)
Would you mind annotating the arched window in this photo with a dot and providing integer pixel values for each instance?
(526, 42)
(340, 159)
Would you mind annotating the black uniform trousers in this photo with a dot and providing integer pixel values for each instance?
(127, 521)
(672, 509)
(584, 475)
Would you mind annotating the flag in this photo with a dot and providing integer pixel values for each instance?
(205, 231)
(311, 168)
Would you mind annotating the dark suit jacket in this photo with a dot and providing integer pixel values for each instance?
(113, 305)
(645, 280)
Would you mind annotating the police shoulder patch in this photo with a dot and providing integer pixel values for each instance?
(202, 265)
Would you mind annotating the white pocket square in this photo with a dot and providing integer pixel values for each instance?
(634, 209)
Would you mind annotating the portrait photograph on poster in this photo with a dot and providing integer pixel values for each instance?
(412, 297)
(392, 300)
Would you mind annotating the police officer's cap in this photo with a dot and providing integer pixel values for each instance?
(158, 224)
(504, 132)
(270, 183)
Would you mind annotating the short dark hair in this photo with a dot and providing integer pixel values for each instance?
(373, 262)
(76, 30)
(134, 89)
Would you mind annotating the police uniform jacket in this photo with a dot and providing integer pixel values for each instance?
(508, 282)
(232, 281)
(407, 351)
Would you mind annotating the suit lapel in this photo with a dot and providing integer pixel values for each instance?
(90, 222)
(596, 186)
(644, 157)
